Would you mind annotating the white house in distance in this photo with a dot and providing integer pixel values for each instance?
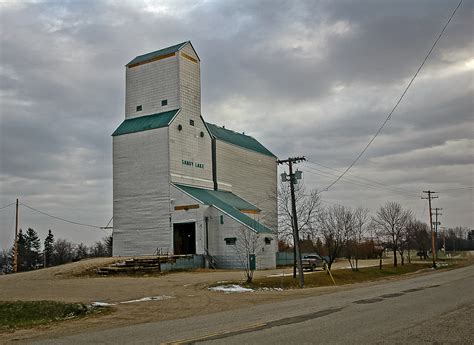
(181, 185)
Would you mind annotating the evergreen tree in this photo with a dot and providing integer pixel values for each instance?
(6, 263)
(21, 250)
(48, 249)
(32, 249)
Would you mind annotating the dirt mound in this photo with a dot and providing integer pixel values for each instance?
(73, 269)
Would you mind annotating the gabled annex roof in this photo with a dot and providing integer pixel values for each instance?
(228, 203)
(238, 139)
(156, 54)
(144, 123)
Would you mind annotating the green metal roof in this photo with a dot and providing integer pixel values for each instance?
(144, 123)
(238, 139)
(157, 53)
(228, 203)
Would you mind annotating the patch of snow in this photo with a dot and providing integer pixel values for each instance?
(230, 288)
(102, 304)
(146, 299)
(270, 289)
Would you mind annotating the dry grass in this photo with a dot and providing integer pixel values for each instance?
(342, 277)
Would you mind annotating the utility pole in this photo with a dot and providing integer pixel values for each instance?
(15, 256)
(436, 209)
(292, 178)
(433, 250)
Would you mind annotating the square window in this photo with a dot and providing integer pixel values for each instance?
(230, 241)
(164, 102)
(268, 240)
(139, 108)
(191, 122)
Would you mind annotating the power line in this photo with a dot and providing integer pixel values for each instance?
(1, 208)
(59, 218)
(398, 102)
(455, 189)
(363, 184)
(363, 178)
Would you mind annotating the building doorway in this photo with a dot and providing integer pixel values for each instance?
(184, 238)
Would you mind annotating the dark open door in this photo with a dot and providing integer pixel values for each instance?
(184, 235)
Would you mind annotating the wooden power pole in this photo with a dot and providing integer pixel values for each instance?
(15, 254)
(433, 247)
(292, 178)
(436, 223)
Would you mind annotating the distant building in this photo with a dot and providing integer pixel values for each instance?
(181, 185)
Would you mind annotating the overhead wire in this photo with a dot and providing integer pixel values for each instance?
(398, 101)
(363, 184)
(369, 180)
(455, 189)
(1, 208)
(59, 218)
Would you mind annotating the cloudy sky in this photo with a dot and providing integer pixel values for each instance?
(313, 78)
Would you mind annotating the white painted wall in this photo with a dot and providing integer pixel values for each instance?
(189, 81)
(148, 84)
(141, 196)
(178, 198)
(188, 145)
(226, 254)
(253, 177)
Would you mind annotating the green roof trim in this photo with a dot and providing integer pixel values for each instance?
(157, 53)
(228, 203)
(145, 123)
(238, 139)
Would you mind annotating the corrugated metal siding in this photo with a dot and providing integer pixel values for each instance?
(141, 200)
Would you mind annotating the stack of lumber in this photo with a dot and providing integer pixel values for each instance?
(136, 265)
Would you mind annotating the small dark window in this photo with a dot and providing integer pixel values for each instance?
(191, 122)
(222, 219)
(164, 102)
(139, 108)
(268, 240)
(230, 241)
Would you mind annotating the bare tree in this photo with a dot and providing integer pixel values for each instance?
(307, 208)
(360, 229)
(246, 243)
(63, 251)
(335, 225)
(420, 239)
(390, 224)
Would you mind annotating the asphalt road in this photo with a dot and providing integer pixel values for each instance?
(431, 308)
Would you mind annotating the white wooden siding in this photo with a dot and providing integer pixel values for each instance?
(178, 198)
(189, 81)
(253, 177)
(141, 199)
(188, 145)
(148, 84)
(225, 254)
